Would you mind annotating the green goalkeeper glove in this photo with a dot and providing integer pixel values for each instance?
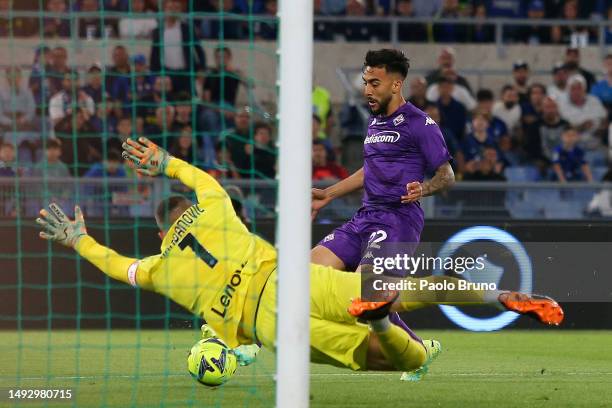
(58, 227)
(145, 156)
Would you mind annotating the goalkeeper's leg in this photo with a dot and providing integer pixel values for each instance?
(541, 308)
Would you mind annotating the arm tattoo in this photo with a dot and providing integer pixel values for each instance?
(443, 179)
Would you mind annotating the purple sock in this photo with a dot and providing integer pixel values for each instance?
(397, 320)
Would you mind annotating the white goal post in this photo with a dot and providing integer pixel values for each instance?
(293, 226)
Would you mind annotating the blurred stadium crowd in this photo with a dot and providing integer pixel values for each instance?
(142, 21)
(64, 121)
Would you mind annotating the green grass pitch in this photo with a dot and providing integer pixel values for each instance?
(121, 368)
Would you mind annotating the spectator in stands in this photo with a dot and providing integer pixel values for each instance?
(558, 88)
(488, 168)
(427, 8)
(92, 26)
(262, 153)
(409, 32)
(220, 89)
(59, 67)
(17, 105)
(520, 76)
(52, 166)
(608, 32)
(236, 139)
(323, 31)
(71, 112)
(418, 89)
(185, 146)
(484, 105)
(446, 60)
(143, 80)
(322, 107)
(100, 97)
(572, 66)
(111, 167)
(184, 116)
(130, 27)
(568, 159)
(474, 144)
(603, 89)
(14, 26)
(148, 104)
(447, 33)
(359, 31)
(224, 167)
(212, 28)
(460, 93)
(332, 7)
(542, 136)
(453, 113)
(162, 126)
(584, 112)
(56, 26)
(39, 81)
(574, 35)
(268, 30)
(532, 109)
(175, 49)
(323, 169)
(508, 109)
(449, 137)
(316, 135)
(118, 80)
(535, 34)
(7, 160)
(481, 32)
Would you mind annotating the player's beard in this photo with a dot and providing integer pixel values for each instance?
(383, 104)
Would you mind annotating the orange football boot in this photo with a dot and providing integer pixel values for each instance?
(373, 310)
(541, 308)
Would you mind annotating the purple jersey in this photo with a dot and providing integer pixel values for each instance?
(399, 149)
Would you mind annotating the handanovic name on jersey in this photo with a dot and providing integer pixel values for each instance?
(188, 218)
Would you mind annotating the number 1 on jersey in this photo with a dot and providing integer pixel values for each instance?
(190, 241)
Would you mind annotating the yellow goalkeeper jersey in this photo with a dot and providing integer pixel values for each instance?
(209, 261)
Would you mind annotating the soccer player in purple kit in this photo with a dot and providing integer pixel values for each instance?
(401, 145)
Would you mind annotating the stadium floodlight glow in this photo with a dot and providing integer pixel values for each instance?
(294, 186)
(516, 248)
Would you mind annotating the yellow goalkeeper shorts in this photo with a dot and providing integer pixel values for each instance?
(336, 338)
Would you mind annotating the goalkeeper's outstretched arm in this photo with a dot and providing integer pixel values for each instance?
(150, 159)
(58, 227)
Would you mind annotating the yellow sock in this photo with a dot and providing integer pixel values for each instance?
(401, 350)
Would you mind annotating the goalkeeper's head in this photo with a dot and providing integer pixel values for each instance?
(169, 210)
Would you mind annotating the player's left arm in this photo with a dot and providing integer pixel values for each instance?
(151, 160)
(433, 147)
(59, 228)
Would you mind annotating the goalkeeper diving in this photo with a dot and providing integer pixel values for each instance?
(213, 266)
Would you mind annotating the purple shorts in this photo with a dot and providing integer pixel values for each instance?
(368, 225)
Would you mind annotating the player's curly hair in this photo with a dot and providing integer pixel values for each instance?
(390, 59)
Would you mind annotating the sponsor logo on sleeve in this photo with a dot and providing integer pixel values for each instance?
(429, 121)
(329, 237)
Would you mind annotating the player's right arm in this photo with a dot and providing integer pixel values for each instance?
(59, 228)
(320, 198)
(150, 159)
